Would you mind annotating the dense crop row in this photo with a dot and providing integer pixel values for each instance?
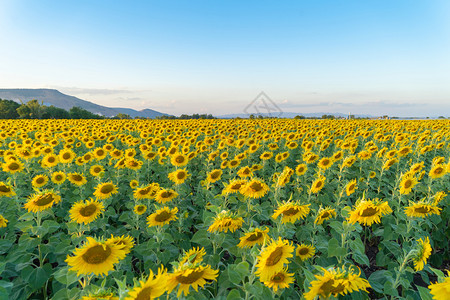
(226, 209)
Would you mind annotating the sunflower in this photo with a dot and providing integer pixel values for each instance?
(272, 258)
(349, 161)
(234, 186)
(39, 181)
(140, 209)
(194, 256)
(301, 169)
(254, 237)
(6, 190)
(77, 179)
(423, 252)
(66, 156)
(417, 167)
(162, 216)
(163, 196)
(179, 176)
(437, 197)
(305, 251)
(437, 171)
(338, 156)
(95, 170)
(86, 212)
(50, 160)
(406, 185)
(280, 280)
(12, 166)
(245, 172)
(225, 221)
(146, 192)
(389, 163)
(372, 174)
(133, 164)
(99, 153)
(41, 201)
(126, 242)
(324, 214)
(291, 212)
(105, 190)
(441, 290)
(318, 184)
(335, 281)
(422, 209)
(367, 211)
(106, 295)
(266, 155)
(214, 176)
(3, 221)
(134, 184)
(179, 160)
(187, 276)
(233, 163)
(58, 177)
(351, 187)
(152, 288)
(96, 257)
(325, 163)
(255, 188)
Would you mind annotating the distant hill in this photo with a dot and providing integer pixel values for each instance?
(58, 99)
(290, 115)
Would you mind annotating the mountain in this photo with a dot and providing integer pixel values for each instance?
(290, 115)
(58, 99)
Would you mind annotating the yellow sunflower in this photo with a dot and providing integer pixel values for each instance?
(6, 190)
(134, 184)
(153, 287)
(105, 190)
(178, 176)
(437, 197)
(301, 169)
(291, 212)
(179, 160)
(77, 179)
(441, 290)
(318, 184)
(126, 242)
(266, 155)
(389, 163)
(86, 212)
(95, 170)
(325, 163)
(280, 280)
(255, 188)
(162, 216)
(12, 166)
(234, 186)
(163, 196)
(39, 181)
(349, 161)
(273, 257)
(437, 171)
(58, 177)
(351, 187)
(140, 209)
(96, 257)
(324, 214)
(225, 221)
(254, 237)
(335, 282)
(423, 252)
(407, 184)
(367, 211)
(214, 175)
(41, 201)
(422, 209)
(50, 160)
(66, 156)
(187, 276)
(3, 221)
(304, 251)
(193, 257)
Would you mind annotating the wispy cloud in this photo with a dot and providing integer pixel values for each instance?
(90, 91)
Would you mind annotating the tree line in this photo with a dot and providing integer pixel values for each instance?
(34, 110)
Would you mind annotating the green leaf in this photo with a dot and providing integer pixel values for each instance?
(242, 268)
(64, 276)
(357, 246)
(5, 289)
(334, 249)
(50, 226)
(201, 237)
(424, 293)
(234, 295)
(361, 259)
(39, 276)
(378, 279)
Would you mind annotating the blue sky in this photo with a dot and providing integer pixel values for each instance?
(379, 57)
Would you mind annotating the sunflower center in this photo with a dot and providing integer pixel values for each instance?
(51, 159)
(319, 184)
(88, 210)
(422, 209)
(408, 183)
(300, 170)
(140, 208)
(44, 200)
(325, 162)
(191, 278)
(438, 171)
(77, 177)
(291, 211)
(66, 155)
(368, 212)
(279, 277)
(325, 215)
(256, 186)
(236, 186)
(145, 294)
(179, 159)
(97, 254)
(254, 236)
(303, 251)
(40, 180)
(106, 189)
(166, 194)
(181, 175)
(274, 257)
(163, 216)
(100, 152)
(97, 170)
(14, 166)
(5, 189)
(58, 177)
(329, 287)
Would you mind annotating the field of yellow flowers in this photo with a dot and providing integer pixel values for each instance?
(224, 209)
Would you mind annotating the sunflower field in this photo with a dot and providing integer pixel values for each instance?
(224, 209)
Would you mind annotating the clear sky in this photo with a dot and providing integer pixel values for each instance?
(379, 57)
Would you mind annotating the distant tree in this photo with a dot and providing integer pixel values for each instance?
(80, 113)
(31, 110)
(122, 116)
(441, 117)
(52, 112)
(299, 117)
(8, 109)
